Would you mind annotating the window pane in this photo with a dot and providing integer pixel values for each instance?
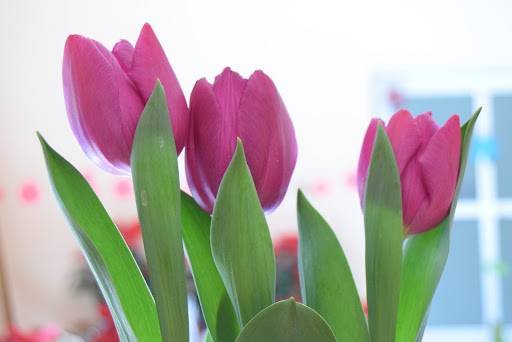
(457, 299)
(502, 124)
(442, 108)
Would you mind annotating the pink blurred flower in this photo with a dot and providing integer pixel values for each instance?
(252, 110)
(105, 93)
(428, 159)
(47, 334)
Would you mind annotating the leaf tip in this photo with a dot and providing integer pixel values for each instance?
(239, 152)
(300, 195)
(380, 130)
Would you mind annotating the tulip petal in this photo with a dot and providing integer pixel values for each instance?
(405, 138)
(268, 136)
(427, 127)
(365, 157)
(123, 51)
(440, 165)
(129, 99)
(202, 151)
(93, 84)
(228, 88)
(414, 193)
(149, 63)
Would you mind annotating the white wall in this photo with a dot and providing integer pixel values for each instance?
(321, 55)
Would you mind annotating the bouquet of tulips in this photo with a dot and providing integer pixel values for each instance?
(130, 116)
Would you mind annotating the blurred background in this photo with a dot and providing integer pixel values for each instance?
(336, 64)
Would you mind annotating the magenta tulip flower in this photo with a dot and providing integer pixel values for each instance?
(105, 94)
(252, 110)
(428, 159)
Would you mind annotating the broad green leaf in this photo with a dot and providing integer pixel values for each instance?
(241, 243)
(114, 268)
(217, 309)
(326, 282)
(424, 259)
(157, 192)
(287, 321)
(383, 230)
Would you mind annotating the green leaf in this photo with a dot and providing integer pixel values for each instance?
(326, 282)
(208, 338)
(286, 321)
(424, 259)
(217, 309)
(384, 236)
(118, 276)
(241, 243)
(157, 192)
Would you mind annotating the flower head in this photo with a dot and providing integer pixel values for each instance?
(105, 93)
(252, 110)
(428, 159)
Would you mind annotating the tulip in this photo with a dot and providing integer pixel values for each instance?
(428, 159)
(105, 93)
(253, 111)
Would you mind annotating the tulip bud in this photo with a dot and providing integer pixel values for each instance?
(105, 93)
(428, 159)
(252, 110)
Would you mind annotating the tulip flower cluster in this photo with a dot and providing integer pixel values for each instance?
(105, 94)
(128, 112)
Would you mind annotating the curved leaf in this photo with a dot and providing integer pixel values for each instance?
(326, 281)
(285, 321)
(424, 259)
(384, 236)
(118, 276)
(241, 243)
(157, 192)
(217, 309)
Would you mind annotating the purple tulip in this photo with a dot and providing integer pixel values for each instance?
(105, 94)
(252, 110)
(428, 159)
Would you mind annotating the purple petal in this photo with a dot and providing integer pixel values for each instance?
(427, 127)
(149, 63)
(93, 83)
(440, 165)
(405, 138)
(202, 152)
(228, 88)
(123, 51)
(365, 157)
(129, 98)
(414, 193)
(269, 140)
